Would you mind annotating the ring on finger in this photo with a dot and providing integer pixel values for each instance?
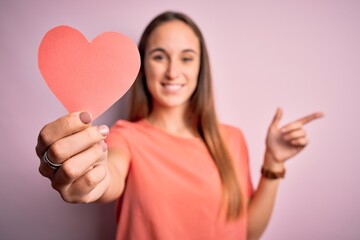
(46, 159)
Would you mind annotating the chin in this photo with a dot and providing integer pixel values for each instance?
(173, 103)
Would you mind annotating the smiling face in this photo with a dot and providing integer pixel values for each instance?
(171, 64)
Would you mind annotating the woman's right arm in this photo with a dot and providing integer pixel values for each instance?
(89, 171)
(118, 168)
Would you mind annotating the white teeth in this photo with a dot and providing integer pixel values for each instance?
(172, 87)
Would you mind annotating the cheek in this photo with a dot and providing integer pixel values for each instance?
(153, 69)
(153, 76)
(148, 69)
(193, 74)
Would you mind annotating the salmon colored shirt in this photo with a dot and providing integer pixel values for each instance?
(173, 188)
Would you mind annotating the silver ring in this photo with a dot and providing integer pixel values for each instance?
(54, 166)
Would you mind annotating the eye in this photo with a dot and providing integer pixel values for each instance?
(159, 58)
(187, 59)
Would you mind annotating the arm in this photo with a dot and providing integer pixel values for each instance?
(281, 144)
(118, 168)
(262, 202)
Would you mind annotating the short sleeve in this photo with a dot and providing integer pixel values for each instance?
(245, 164)
(235, 140)
(118, 136)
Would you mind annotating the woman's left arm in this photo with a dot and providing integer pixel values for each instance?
(282, 143)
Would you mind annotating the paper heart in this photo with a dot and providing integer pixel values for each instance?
(84, 75)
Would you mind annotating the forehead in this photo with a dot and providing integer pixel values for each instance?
(174, 35)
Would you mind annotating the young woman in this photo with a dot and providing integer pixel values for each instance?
(176, 172)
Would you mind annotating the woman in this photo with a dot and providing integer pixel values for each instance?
(177, 172)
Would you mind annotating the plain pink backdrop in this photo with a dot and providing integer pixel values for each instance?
(301, 55)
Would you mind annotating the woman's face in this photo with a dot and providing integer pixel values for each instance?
(171, 63)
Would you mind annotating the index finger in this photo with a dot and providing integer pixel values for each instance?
(309, 118)
(60, 128)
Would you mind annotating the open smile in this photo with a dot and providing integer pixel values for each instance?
(172, 86)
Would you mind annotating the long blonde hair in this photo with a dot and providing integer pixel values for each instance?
(201, 112)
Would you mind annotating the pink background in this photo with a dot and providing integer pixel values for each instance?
(301, 55)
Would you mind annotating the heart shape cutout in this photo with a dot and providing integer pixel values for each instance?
(84, 75)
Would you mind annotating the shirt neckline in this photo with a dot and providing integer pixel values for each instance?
(163, 132)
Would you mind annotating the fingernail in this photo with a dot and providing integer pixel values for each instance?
(103, 145)
(104, 130)
(85, 117)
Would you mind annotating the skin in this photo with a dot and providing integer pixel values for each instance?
(172, 63)
(91, 172)
(282, 143)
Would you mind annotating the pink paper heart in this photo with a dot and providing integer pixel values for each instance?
(84, 75)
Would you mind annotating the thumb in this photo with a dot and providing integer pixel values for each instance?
(277, 118)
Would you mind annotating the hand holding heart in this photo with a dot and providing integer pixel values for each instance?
(80, 149)
(87, 76)
(83, 76)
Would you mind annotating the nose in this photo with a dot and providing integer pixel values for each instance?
(173, 70)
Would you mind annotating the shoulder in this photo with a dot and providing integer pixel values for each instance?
(124, 133)
(132, 130)
(123, 124)
(229, 131)
(125, 129)
(126, 126)
(234, 137)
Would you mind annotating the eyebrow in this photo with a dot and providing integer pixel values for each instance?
(163, 50)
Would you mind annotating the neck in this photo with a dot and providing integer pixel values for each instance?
(171, 120)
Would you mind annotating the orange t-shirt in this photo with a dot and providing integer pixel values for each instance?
(173, 188)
